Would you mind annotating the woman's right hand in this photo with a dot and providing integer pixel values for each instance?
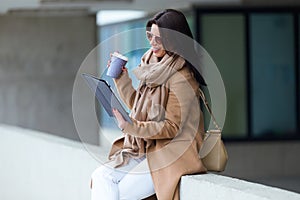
(109, 61)
(124, 69)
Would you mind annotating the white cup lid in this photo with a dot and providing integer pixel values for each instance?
(116, 54)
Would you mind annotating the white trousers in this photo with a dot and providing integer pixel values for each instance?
(122, 183)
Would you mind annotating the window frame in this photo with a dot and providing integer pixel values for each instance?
(246, 11)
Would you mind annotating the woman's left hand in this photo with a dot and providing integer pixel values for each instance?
(120, 119)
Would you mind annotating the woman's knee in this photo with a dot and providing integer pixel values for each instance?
(97, 175)
(104, 173)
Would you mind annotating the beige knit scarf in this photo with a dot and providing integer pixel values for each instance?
(152, 73)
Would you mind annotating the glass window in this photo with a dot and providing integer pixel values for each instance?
(190, 17)
(132, 42)
(223, 37)
(273, 99)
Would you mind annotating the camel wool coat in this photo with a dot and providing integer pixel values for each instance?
(173, 141)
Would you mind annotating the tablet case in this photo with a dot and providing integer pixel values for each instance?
(106, 96)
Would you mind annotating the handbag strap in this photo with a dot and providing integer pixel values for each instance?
(208, 108)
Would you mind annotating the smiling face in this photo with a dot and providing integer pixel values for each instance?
(155, 41)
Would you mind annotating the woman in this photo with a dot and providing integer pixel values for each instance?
(167, 127)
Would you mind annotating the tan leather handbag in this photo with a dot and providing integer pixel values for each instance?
(213, 152)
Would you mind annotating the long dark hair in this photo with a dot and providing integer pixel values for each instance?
(174, 30)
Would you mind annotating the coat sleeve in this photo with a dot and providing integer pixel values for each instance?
(181, 98)
(125, 89)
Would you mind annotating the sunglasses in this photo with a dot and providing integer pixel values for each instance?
(150, 35)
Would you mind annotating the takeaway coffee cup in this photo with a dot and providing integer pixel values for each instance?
(117, 61)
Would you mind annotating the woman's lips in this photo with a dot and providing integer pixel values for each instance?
(155, 50)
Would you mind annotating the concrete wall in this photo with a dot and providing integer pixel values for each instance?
(35, 165)
(272, 163)
(39, 57)
(209, 186)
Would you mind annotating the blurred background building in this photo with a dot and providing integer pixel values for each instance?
(254, 43)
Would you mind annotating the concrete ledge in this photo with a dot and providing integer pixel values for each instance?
(32, 162)
(211, 186)
(36, 165)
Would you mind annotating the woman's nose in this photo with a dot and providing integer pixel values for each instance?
(152, 41)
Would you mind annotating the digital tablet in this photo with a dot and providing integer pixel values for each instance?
(106, 96)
